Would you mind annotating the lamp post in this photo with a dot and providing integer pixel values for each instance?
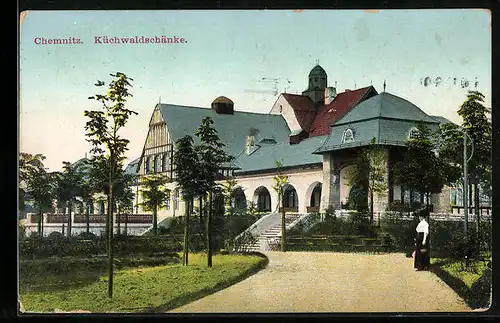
(466, 160)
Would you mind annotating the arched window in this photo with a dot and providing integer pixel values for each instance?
(348, 136)
(158, 163)
(147, 165)
(413, 133)
(164, 163)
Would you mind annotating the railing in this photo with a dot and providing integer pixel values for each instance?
(290, 209)
(312, 209)
(135, 218)
(472, 209)
(57, 218)
(92, 218)
(260, 225)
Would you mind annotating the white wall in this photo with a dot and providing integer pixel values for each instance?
(287, 113)
(303, 182)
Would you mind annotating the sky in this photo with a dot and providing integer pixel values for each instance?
(238, 54)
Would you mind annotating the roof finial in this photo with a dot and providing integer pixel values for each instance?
(159, 99)
(335, 84)
(371, 82)
(384, 85)
(317, 61)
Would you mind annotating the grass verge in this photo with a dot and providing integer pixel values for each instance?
(472, 285)
(149, 289)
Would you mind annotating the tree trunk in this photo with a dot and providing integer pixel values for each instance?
(200, 208)
(118, 218)
(110, 228)
(371, 207)
(478, 213)
(186, 234)
(126, 222)
(283, 224)
(209, 230)
(39, 220)
(477, 206)
(427, 207)
(87, 218)
(155, 222)
(470, 198)
(69, 218)
(107, 220)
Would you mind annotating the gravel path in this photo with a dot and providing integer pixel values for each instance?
(333, 282)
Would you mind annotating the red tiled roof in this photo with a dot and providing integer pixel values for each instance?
(327, 114)
(304, 109)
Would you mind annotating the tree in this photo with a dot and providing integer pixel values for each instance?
(87, 191)
(280, 181)
(368, 175)
(124, 196)
(69, 187)
(477, 122)
(420, 169)
(37, 184)
(186, 165)
(228, 192)
(154, 194)
(99, 178)
(103, 132)
(211, 159)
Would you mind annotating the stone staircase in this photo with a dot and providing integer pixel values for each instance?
(270, 236)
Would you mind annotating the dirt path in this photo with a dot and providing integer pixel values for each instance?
(333, 282)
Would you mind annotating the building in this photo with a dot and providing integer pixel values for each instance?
(314, 135)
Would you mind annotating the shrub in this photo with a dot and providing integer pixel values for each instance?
(356, 223)
(55, 235)
(22, 231)
(87, 236)
(162, 230)
(34, 248)
(400, 232)
(398, 206)
(479, 293)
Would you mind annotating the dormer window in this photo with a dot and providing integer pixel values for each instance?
(413, 134)
(269, 141)
(348, 136)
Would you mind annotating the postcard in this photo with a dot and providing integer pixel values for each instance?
(255, 161)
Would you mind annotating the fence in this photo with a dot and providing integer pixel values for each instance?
(135, 224)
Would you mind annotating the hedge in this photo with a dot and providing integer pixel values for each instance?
(447, 238)
(44, 247)
(61, 266)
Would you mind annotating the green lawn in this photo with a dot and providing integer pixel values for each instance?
(454, 269)
(473, 285)
(148, 289)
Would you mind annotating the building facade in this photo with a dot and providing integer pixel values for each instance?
(315, 136)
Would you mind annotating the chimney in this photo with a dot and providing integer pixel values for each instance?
(330, 94)
(249, 144)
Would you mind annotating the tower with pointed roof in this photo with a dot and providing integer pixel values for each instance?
(318, 81)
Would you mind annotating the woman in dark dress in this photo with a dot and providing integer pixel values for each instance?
(422, 259)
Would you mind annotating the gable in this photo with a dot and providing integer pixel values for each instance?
(343, 103)
(284, 108)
